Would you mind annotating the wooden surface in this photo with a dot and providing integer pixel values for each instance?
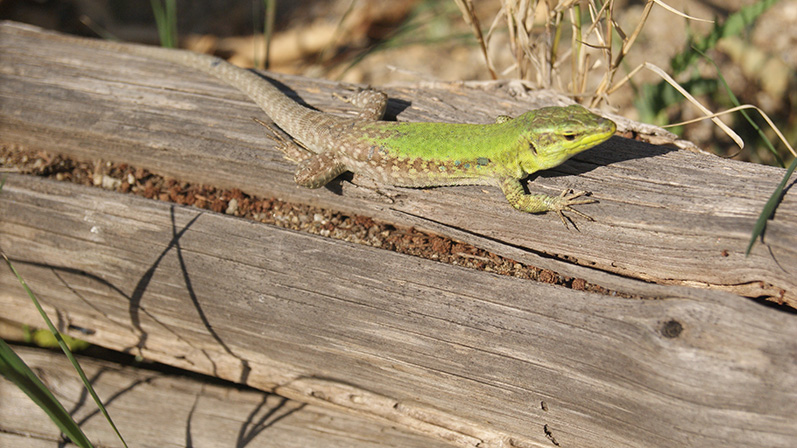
(465, 356)
(153, 409)
(665, 216)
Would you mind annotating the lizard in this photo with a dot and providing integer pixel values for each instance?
(411, 154)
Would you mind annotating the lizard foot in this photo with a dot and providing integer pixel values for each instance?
(541, 203)
(565, 201)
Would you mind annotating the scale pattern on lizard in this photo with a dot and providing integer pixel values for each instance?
(411, 154)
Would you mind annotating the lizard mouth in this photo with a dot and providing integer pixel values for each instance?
(603, 130)
(591, 139)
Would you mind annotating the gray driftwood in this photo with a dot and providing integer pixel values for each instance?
(153, 409)
(466, 357)
(666, 216)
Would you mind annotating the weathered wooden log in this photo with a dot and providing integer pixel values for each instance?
(151, 408)
(465, 356)
(665, 216)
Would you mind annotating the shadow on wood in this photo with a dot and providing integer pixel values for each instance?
(467, 357)
(156, 409)
(428, 346)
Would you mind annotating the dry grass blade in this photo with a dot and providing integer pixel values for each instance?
(497, 20)
(657, 70)
(566, 5)
(524, 45)
(466, 7)
(679, 13)
(595, 16)
(627, 43)
(605, 85)
(578, 59)
(730, 132)
(743, 107)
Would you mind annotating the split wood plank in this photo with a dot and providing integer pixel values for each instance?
(665, 216)
(154, 409)
(468, 357)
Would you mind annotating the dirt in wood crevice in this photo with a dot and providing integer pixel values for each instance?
(124, 178)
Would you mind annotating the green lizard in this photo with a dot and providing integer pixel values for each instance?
(412, 154)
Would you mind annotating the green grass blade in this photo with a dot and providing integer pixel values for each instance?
(270, 7)
(171, 8)
(166, 21)
(160, 19)
(772, 203)
(769, 207)
(735, 102)
(64, 347)
(655, 98)
(732, 26)
(16, 371)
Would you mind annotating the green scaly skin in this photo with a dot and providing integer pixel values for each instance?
(409, 154)
(441, 154)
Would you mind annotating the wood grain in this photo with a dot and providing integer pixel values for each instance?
(665, 216)
(154, 409)
(463, 356)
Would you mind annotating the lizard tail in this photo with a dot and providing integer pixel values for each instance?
(286, 113)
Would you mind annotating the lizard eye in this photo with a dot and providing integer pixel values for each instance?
(570, 137)
(532, 148)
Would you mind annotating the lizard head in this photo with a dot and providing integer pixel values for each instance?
(552, 135)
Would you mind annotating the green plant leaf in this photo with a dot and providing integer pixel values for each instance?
(769, 207)
(651, 106)
(64, 348)
(166, 21)
(772, 203)
(735, 102)
(15, 370)
(732, 26)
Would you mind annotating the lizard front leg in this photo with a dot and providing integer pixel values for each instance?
(541, 203)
